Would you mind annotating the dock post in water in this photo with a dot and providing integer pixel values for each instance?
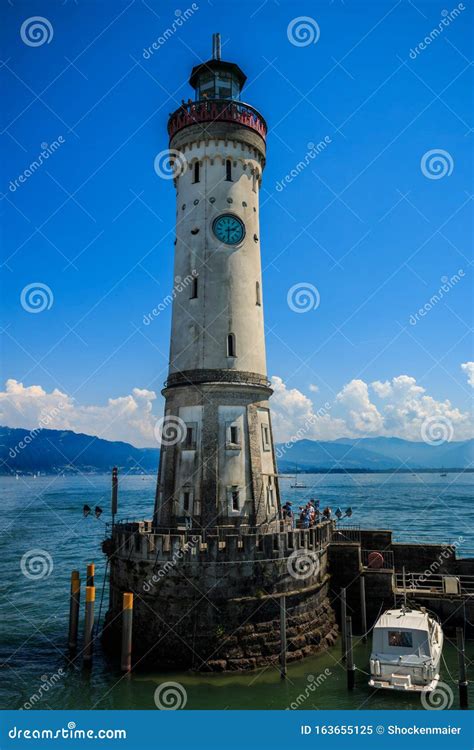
(363, 609)
(343, 623)
(462, 682)
(74, 610)
(90, 574)
(114, 494)
(127, 626)
(349, 655)
(89, 623)
(283, 637)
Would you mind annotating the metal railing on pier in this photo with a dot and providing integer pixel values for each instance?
(346, 533)
(434, 583)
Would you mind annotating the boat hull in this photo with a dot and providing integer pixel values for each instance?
(379, 684)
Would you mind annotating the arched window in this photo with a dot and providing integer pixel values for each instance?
(258, 300)
(231, 352)
(196, 171)
(228, 170)
(194, 288)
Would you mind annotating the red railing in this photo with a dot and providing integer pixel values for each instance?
(216, 110)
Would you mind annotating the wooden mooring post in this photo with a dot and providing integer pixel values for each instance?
(127, 628)
(90, 574)
(349, 655)
(462, 682)
(89, 624)
(283, 645)
(74, 602)
(363, 609)
(343, 623)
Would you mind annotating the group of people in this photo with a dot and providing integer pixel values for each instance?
(308, 515)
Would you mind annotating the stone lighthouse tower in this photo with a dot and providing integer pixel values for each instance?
(215, 569)
(217, 462)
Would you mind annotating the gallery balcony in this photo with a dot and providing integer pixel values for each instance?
(216, 110)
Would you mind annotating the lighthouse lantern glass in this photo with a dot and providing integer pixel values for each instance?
(217, 85)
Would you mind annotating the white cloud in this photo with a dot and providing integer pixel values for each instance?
(313, 387)
(128, 418)
(361, 415)
(468, 368)
(406, 406)
(396, 407)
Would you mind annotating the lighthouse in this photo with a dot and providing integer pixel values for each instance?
(220, 581)
(217, 464)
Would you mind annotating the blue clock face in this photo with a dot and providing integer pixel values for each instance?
(229, 229)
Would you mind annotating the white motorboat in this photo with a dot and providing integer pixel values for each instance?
(406, 651)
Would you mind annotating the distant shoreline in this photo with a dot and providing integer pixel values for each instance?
(126, 472)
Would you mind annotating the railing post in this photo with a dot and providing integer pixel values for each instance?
(343, 623)
(283, 636)
(74, 610)
(89, 624)
(363, 610)
(462, 682)
(127, 624)
(350, 656)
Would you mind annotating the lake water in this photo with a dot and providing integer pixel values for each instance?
(46, 514)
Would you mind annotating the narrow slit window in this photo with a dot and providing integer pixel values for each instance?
(231, 351)
(189, 440)
(228, 170)
(186, 499)
(234, 434)
(258, 295)
(266, 437)
(194, 288)
(235, 499)
(196, 171)
(254, 181)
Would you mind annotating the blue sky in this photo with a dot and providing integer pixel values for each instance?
(362, 222)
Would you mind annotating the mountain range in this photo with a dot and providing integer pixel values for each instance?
(64, 451)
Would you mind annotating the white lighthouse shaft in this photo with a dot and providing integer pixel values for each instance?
(218, 319)
(220, 468)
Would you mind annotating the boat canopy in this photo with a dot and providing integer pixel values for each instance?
(399, 632)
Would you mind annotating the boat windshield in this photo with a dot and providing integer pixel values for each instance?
(388, 640)
(400, 638)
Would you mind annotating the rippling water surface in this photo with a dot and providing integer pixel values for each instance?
(46, 514)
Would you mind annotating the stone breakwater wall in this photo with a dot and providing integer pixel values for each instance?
(214, 605)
